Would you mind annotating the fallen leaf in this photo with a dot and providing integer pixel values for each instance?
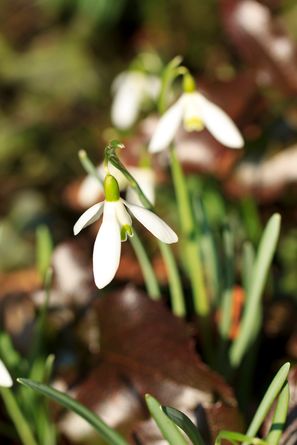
(145, 349)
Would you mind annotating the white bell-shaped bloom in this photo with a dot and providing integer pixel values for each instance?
(5, 377)
(195, 112)
(130, 90)
(90, 188)
(116, 227)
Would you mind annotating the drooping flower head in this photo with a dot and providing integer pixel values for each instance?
(195, 112)
(115, 228)
(134, 88)
(130, 90)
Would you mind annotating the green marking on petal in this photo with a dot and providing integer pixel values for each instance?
(111, 188)
(193, 124)
(126, 231)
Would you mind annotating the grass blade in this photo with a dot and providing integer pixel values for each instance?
(168, 429)
(234, 438)
(181, 420)
(248, 261)
(21, 425)
(260, 271)
(208, 248)
(279, 417)
(268, 399)
(107, 433)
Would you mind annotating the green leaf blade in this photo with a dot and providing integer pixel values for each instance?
(279, 417)
(107, 433)
(169, 430)
(268, 399)
(182, 421)
(260, 272)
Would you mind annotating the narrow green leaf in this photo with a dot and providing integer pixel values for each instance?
(192, 253)
(40, 323)
(44, 249)
(169, 430)
(208, 247)
(183, 421)
(150, 279)
(260, 272)
(48, 367)
(251, 218)
(12, 358)
(279, 417)
(234, 438)
(21, 425)
(226, 303)
(107, 433)
(268, 399)
(248, 261)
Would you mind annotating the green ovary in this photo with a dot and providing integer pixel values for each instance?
(126, 230)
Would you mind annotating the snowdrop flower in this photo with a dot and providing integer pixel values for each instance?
(116, 227)
(130, 89)
(5, 377)
(90, 188)
(196, 112)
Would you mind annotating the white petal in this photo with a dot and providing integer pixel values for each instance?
(146, 180)
(153, 223)
(127, 100)
(5, 377)
(89, 191)
(107, 247)
(219, 123)
(167, 127)
(192, 115)
(123, 216)
(88, 217)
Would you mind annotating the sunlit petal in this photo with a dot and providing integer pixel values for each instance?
(167, 127)
(107, 247)
(127, 100)
(219, 123)
(5, 377)
(123, 216)
(88, 217)
(153, 223)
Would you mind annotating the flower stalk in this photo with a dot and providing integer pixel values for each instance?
(191, 249)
